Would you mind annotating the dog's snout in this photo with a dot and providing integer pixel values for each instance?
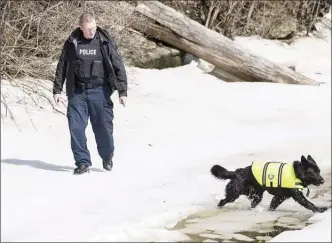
(321, 181)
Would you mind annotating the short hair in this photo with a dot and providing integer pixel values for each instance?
(86, 17)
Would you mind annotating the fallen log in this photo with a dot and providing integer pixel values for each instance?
(168, 36)
(215, 48)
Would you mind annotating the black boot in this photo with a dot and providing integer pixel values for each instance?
(81, 169)
(108, 164)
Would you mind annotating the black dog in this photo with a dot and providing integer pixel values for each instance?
(244, 182)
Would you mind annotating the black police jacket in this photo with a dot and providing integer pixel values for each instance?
(67, 61)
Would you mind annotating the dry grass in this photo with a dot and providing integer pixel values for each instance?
(34, 32)
(251, 17)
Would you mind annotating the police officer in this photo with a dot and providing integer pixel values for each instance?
(93, 69)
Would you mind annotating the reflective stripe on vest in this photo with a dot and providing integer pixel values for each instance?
(275, 174)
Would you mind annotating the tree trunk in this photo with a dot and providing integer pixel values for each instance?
(168, 36)
(215, 48)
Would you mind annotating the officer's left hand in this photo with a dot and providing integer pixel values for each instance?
(123, 100)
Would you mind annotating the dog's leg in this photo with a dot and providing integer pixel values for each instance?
(233, 191)
(256, 197)
(230, 199)
(298, 197)
(276, 201)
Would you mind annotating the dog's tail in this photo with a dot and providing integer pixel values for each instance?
(222, 173)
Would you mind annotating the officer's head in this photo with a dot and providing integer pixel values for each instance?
(87, 24)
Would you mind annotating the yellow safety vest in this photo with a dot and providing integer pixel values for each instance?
(275, 174)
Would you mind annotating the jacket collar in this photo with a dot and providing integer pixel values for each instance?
(103, 35)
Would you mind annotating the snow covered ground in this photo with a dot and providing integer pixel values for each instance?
(319, 231)
(177, 124)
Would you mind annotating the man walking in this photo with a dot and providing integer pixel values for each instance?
(93, 69)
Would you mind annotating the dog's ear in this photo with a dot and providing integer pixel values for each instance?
(303, 158)
(309, 158)
(304, 162)
(312, 163)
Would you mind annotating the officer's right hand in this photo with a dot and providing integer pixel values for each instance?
(56, 98)
(122, 100)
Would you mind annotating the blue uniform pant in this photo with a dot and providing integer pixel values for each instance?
(95, 104)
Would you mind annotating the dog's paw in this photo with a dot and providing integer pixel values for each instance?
(321, 209)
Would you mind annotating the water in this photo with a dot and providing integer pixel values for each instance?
(223, 227)
(238, 223)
